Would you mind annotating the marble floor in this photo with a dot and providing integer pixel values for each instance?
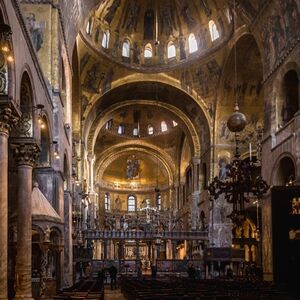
(113, 294)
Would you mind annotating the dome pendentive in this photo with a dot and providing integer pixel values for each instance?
(146, 35)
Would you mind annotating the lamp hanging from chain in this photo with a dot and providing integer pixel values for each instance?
(241, 180)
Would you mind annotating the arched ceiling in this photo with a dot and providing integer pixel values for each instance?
(152, 171)
(245, 85)
(184, 89)
(157, 23)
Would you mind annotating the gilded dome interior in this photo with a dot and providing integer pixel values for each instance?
(149, 34)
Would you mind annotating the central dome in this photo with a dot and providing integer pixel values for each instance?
(154, 34)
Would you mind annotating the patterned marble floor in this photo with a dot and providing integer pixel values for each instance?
(113, 294)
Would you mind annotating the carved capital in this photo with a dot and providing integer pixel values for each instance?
(26, 154)
(8, 119)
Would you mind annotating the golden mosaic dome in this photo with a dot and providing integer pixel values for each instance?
(145, 35)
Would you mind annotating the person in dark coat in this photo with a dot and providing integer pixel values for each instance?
(113, 277)
(153, 271)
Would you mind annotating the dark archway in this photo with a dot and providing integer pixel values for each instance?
(290, 88)
(285, 172)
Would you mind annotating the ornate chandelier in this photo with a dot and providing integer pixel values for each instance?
(240, 184)
(241, 181)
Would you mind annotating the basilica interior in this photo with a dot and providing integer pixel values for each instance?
(158, 137)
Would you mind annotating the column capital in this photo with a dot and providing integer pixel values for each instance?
(26, 151)
(9, 114)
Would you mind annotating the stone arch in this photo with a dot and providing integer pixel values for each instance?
(247, 89)
(284, 170)
(157, 79)
(26, 124)
(140, 144)
(280, 93)
(103, 118)
(102, 165)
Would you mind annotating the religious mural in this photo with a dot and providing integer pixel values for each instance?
(133, 168)
(280, 32)
(36, 31)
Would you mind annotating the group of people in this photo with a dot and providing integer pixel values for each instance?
(113, 272)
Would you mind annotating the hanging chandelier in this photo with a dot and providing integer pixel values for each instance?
(241, 181)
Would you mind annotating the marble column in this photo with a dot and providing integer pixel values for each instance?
(26, 154)
(196, 193)
(7, 119)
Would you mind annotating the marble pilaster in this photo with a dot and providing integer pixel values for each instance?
(26, 155)
(8, 117)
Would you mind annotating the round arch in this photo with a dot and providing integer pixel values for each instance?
(104, 117)
(279, 92)
(139, 144)
(103, 164)
(248, 87)
(284, 169)
(159, 80)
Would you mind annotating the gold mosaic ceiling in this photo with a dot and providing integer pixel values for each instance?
(155, 25)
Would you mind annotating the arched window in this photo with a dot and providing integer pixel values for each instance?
(135, 131)
(150, 129)
(89, 24)
(174, 123)
(193, 47)
(148, 51)
(163, 126)
(158, 201)
(214, 33)
(105, 39)
(290, 103)
(131, 203)
(171, 50)
(26, 100)
(109, 124)
(107, 201)
(126, 49)
(121, 129)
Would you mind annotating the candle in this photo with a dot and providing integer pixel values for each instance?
(250, 151)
